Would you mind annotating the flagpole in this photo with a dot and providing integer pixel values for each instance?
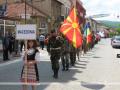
(4, 28)
(26, 44)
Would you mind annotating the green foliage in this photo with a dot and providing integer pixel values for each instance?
(111, 34)
(118, 30)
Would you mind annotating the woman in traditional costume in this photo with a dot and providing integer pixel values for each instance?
(29, 74)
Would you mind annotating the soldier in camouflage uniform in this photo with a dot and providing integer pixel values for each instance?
(79, 52)
(65, 54)
(84, 45)
(54, 48)
(93, 40)
(72, 55)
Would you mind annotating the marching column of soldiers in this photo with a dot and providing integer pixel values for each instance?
(59, 47)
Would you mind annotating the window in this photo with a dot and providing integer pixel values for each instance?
(17, 1)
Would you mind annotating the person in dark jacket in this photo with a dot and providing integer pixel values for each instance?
(41, 40)
(5, 43)
(11, 43)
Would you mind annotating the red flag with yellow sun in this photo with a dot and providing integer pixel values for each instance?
(71, 29)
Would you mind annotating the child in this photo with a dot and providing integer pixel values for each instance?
(30, 71)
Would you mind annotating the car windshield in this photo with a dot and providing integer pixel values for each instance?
(117, 38)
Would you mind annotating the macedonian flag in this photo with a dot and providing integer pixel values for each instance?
(71, 29)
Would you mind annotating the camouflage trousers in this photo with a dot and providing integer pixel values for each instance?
(65, 60)
(55, 61)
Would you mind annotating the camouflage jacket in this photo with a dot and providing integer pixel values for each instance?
(54, 45)
(65, 46)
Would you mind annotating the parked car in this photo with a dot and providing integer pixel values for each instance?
(115, 41)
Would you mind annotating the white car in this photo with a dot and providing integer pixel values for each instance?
(115, 41)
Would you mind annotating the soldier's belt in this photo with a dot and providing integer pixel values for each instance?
(55, 48)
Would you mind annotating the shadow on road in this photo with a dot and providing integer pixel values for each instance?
(96, 57)
(82, 64)
(84, 61)
(80, 67)
(46, 73)
(88, 57)
(92, 86)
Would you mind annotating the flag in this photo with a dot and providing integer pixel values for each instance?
(87, 32)
(71, 28)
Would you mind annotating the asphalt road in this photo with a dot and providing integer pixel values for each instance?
(99, 69)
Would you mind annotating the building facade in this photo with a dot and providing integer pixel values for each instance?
(54, 10)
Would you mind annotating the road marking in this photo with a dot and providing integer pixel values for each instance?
(61, 83)
(9, 62)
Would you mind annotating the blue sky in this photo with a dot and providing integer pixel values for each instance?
(111, 7)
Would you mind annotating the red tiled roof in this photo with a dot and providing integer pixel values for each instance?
(16, 9)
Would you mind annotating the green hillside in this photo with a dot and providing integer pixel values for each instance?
(111, 24)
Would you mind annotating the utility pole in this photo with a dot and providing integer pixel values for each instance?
(25, 12)
(4, 27)
(5, 20)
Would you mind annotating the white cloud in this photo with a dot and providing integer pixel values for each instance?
(112, 17)
(101, 6)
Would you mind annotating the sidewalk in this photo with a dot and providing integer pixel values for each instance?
(11, 57)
